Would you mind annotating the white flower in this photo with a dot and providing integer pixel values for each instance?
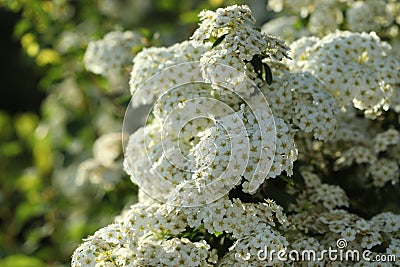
(300, 98)
(367, 16)
(362, 225)
(151, 61)
(108, 148)
(383, 171)
(349, 234)
(325, 19)
(356, 67)
(111, 54)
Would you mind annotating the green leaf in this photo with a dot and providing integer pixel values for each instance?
(26, 211)
(281, 197)
(298, 25)
(124, 99)
(22, 27)
(219, 40)
(5, 126)
(217, 234)
(268, 73)
(25, 124)
(198, 228)
(258, 65)
(288, 180)
(43, 155)
(11, 149)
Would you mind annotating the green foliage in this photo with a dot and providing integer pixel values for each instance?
(20, 260)
(219, 40)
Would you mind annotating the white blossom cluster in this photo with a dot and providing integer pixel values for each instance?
(153, 234)
(134, 239)
(381, 157)
(257, 168)
(148, 65)
(215, 149)
(356, 67)
(316, 192)
(104, 169)
(381, 16)
(361, 145)
(151, 61)
(204, 158)
(237, 40)
(319, 212)
(111, 55)
(300, 98)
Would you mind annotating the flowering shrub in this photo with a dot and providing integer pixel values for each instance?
(56, 187)
(252, 145)
(322, 17)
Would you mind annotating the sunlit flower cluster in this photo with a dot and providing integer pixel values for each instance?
(355, 67)
(110, 55)
(151, 61)
(210, 146)
(153, 234)
(302, 100)
(237, 41)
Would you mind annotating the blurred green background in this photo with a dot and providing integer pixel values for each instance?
(52, 110)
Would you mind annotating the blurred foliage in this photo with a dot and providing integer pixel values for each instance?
(37, 219)
(44, 214)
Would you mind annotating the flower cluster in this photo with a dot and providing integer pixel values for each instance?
(302, 100)
(211, 143)
(110, 55)
(237, 42)
(319, 210)
(381, 157)
(104, 169)
(381, 16)
(355, 68)
(134, 239)
(151, 61)
(153, 234)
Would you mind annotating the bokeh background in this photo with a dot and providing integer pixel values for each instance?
(52, 111)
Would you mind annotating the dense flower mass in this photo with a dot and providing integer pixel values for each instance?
(150, 234)
(381, 16)
(301, 99)
(251, 147)
(235, 25)
(355, 67)
(105, 168)
(110, 55)
(151, 61)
